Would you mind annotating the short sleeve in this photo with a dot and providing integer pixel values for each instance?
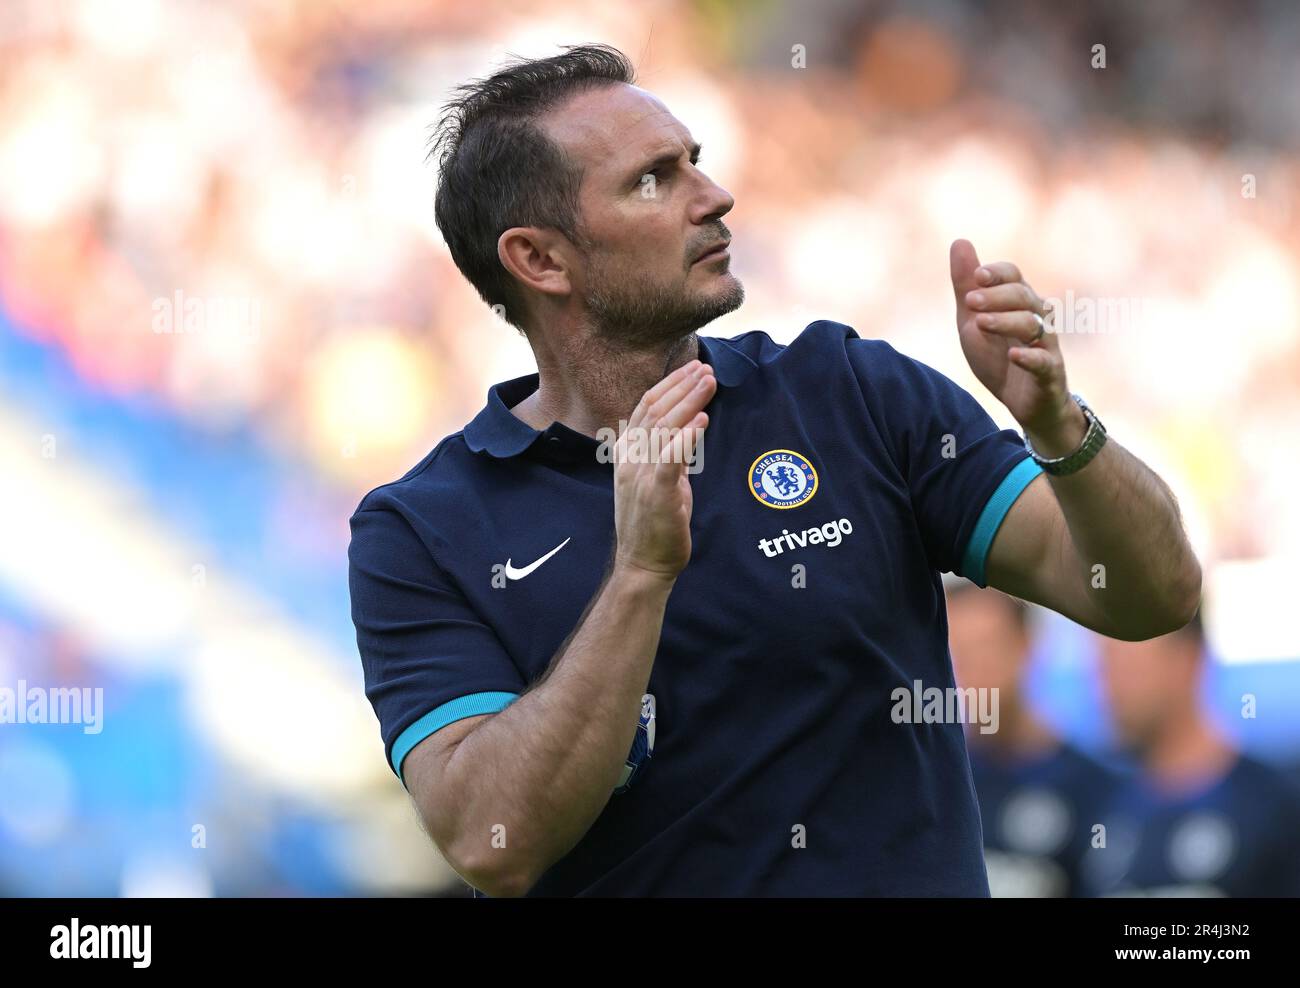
(428, 659)
(963, 472)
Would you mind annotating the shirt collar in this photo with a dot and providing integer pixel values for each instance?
(499, 432)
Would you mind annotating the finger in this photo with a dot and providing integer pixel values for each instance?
(693, 435)
(1006, 298)
(653, 394)
(962, 264)
(670, 465)
(1041, 363)
(1020, 326)
(667, 392)
(688, 404)
(678, 444)
(997, 273)
(668, 436)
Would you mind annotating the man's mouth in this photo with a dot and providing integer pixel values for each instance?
(714, 252)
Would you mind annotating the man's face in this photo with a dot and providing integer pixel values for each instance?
(648, 214)
(989, 646)
(1146, 683)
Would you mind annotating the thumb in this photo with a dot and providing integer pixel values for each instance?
(962, 262)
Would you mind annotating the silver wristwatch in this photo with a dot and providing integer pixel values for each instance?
(1093, 440)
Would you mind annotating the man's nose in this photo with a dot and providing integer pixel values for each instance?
(714, 204)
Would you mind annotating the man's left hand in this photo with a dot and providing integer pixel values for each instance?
(996, 321)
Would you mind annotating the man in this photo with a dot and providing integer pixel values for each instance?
(1200, 817)
(1040, 797)
(540, 626)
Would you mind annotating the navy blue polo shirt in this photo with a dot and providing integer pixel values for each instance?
(1236, 835)
(1038, 815)
(838, 479)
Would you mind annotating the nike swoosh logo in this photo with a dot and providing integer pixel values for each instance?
(519, 574)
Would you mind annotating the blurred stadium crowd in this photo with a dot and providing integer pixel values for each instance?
(225, 314)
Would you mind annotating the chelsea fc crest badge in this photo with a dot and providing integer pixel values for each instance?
(782, 478)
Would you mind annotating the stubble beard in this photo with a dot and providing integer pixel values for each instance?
(637, 312)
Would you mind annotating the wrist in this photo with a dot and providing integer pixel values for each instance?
(1074, 460)
(1062, 437)
(638, 577)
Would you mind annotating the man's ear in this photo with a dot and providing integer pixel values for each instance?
(538, 259)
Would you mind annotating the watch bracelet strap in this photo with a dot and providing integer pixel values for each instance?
(1093, 440)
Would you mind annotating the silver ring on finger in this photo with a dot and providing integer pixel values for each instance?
(1042, 328)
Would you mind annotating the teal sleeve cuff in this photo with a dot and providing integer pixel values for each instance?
(990, 519)
(470, 705)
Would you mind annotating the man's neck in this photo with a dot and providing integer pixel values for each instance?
(1020, 735)
(597, 386)
(1188, 754)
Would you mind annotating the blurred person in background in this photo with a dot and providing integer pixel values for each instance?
(1039, 795)
(1198, 816)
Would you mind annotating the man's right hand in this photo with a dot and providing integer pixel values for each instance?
(652, 500)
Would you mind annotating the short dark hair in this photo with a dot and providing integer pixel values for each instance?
(498, 169)
(1194, 630)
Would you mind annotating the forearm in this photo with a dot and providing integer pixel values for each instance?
(1124, 544)
(545, 766)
